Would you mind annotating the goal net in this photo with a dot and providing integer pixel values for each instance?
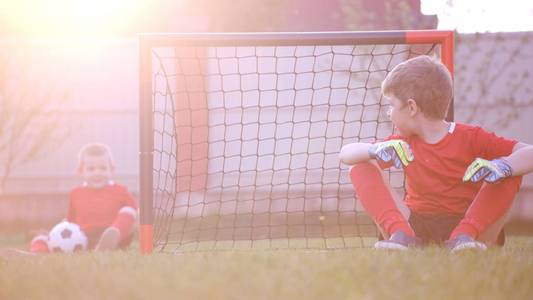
(240, 135)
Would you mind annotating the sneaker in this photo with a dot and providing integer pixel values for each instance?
(464, 242)
(399, 241)
(108, 240)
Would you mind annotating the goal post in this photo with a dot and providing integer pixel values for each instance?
(240, 132)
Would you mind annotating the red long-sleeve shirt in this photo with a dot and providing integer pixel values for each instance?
(95, 209)
(434, 179)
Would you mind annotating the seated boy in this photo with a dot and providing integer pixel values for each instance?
(105, 211)
(460, 179)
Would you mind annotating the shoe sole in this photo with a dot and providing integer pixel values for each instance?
(470, 246)
(389, 246)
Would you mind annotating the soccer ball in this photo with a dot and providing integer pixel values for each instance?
(67, 237)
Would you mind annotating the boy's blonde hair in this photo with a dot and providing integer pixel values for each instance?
(425, 80)
(95, 149)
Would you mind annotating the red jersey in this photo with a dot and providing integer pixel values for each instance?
(434, 179)
(95, 209)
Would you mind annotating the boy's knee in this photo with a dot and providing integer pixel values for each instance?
(513, 182)
(125, 221)
(508, 186)
(363, 167)
(362, 171)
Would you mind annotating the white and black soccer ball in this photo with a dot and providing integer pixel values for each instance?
(67, 237)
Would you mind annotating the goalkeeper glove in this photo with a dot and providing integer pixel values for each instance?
(396, 151)
(489, 170)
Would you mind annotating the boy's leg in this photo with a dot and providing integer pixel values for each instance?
(487, 214)
(377, 199)
(109, 239)
(39, 244)
(120, 230)
(491, 234)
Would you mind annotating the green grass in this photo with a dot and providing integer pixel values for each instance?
(432, 273)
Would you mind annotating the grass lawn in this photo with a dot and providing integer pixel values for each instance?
(431, 273)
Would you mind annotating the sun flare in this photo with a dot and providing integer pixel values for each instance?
(67, 17)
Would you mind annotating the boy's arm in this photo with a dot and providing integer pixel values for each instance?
(123, 224)
(71, 213)
(521, 160)
(127, 214)
(391, 152)
(355, 153)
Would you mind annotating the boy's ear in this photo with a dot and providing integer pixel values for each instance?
(412, 107)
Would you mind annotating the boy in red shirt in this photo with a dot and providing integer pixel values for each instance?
(104, 210)
(460, 179)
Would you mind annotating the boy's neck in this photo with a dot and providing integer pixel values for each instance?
(432, 131)
(109, 183)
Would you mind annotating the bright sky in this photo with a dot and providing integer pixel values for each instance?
(66, 17)
(470, 16)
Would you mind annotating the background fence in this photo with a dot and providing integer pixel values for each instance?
(492, 75)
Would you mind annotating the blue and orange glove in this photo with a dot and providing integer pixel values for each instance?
(397, 151)
(489, 170)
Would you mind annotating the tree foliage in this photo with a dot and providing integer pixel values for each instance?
(311, 15)
(385, 15)
(29, 120)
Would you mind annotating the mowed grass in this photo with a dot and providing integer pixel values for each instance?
(432, 273)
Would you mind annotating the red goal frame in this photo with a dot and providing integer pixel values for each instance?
(149, 41)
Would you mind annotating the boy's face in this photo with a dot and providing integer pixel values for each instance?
(96, 170)
(398, 113)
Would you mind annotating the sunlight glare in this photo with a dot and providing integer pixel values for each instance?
(68, 17)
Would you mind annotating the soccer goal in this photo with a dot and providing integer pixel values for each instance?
(240, 135)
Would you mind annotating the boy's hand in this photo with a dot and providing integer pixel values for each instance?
(489, 170)
(396, 151)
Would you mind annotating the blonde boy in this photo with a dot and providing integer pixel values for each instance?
(104, 210)
(460, 179)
